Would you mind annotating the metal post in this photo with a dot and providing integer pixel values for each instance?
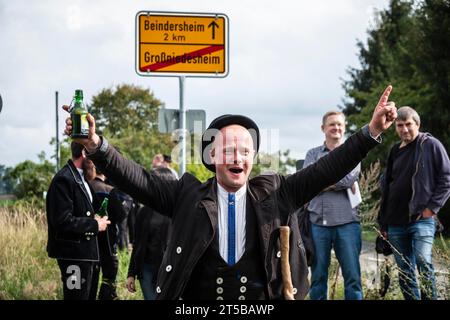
(57, 131)
(183, 128)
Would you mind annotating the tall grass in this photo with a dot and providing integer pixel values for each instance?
(26, 271)
(373, 281)
(122, 292)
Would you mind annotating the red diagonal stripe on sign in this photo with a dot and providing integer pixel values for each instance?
(193, 54)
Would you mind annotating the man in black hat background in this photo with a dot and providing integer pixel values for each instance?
(225, 232)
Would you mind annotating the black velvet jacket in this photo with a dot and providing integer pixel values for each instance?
(192, 205)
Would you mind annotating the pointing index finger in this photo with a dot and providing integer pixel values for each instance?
(384, 98)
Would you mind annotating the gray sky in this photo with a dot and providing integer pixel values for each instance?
(287, 59)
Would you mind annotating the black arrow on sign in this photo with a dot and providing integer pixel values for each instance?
(213, 25)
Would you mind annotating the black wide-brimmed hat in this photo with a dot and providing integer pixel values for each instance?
(221, 122)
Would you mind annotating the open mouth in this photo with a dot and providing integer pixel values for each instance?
(236, 170)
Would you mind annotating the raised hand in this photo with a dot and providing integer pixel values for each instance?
(384, 114)
(93, 140)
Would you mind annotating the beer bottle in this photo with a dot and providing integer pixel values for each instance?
(104, 208)
(78, 113)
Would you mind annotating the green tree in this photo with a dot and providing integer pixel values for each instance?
(64, 151)
(376, 58)
(432, 60)
(386, 59)
(123, 107)
(128, 116)
(30, 179)
(140, 146)
(409, 48)
(433, 63)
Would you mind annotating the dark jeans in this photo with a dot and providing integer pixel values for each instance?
(79, 278)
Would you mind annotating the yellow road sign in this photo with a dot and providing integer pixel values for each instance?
(190, 44)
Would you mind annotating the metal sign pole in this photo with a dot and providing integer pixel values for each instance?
(199, 48)
(183, 127)
(57, 130)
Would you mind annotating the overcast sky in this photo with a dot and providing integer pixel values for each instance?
(287, 61)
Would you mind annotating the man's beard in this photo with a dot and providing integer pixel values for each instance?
(88, 169)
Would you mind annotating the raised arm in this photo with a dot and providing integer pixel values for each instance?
(307, 183)
(130, 177)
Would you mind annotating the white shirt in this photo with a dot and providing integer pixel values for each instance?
(85, 183)
(240, 221)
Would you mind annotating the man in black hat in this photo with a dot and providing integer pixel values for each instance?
(224, 241)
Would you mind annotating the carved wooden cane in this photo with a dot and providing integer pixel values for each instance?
(288, 288)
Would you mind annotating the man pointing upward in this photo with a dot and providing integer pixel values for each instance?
(224, 242)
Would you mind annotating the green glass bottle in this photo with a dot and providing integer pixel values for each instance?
(104, 208)
(78, 113)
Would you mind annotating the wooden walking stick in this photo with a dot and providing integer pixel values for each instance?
(288, 288)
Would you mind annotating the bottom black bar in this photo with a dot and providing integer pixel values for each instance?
(249, 310)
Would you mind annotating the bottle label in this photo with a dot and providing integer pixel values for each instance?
(84, 125)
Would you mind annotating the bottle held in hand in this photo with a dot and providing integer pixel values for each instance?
(78, 114)
(103, 212)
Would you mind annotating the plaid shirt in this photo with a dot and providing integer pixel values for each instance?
(332, 208)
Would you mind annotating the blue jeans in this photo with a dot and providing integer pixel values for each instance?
(414, 244)
(346, 241)
(147, 282)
